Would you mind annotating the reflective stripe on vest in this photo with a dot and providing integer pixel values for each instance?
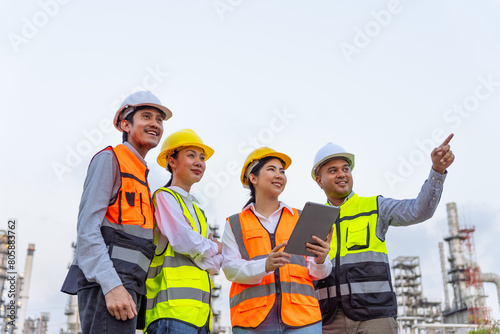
(290, 287)
(360, 278)
(345, 289)
(176, 287)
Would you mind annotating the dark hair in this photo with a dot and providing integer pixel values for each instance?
(173, 155)
(256, 171)
(130, 119)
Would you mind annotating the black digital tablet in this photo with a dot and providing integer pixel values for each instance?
(315, 219)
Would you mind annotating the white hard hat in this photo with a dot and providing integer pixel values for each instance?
(328, 152)
(137, 99)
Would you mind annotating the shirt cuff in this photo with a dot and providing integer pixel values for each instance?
(109, 281)
(214, 249)
(437, 178)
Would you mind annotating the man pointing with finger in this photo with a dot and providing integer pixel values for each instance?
(358, 296)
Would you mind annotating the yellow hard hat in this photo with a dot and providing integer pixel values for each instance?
(257, 155)
(178, 140)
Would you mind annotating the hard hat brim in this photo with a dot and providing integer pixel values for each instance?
(117, 120)
(163, 156)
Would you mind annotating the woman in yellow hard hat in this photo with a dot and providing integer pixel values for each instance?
(272, 291)
(179, 284)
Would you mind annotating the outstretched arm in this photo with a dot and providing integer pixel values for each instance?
(412, 211)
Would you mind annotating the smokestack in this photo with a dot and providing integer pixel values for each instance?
(26, 287)
(455, 246)
(445, 279)
(457, 260)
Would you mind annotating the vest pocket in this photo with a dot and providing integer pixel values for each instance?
(254, 240)
(252, 304)
(358, 236)
(130, 198)
(131, 256)
(369, 284)
(301, 289)
(184, 289)
(255, 233)
(135, 207)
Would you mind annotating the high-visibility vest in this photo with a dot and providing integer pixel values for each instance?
(290, 287)
(176, 287)
(127, 228)
(361, 277)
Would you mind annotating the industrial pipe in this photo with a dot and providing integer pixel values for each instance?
(492, 278)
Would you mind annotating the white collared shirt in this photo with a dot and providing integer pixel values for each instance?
(181, 236)
(242, 271)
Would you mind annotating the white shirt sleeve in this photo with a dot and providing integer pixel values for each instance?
(319, 271)
(235, 268)
(173, 224)
(211, 264)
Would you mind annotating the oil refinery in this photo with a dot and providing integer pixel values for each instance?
(464, 307)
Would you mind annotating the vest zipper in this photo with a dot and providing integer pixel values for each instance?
(119, 207)
(277, 273)
(277, 282)
(149, 193)
(337, 262)
(210, 313)
(142, 213)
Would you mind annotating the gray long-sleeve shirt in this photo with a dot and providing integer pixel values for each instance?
(100, 188)
(409, 211)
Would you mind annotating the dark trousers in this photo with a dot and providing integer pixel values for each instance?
(95, 317)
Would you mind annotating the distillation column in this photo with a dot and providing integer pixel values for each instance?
(26, 287)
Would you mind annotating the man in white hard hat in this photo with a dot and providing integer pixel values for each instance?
(115, 223)
(358, 296)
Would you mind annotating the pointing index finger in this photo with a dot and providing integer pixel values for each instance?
(447, 140)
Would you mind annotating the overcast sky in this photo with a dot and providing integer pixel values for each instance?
(388, 80)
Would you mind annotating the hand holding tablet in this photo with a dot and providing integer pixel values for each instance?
(315, 219)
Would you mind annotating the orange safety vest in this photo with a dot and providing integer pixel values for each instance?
(132, 205)
(290, 287)
(127, 228)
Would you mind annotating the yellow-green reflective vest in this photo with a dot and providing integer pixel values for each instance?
(176, 287)
(360, 281)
